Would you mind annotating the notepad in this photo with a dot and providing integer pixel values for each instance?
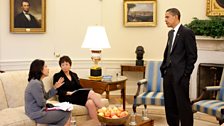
(64, 106)
(81, 89)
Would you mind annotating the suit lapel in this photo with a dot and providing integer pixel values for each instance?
(177, 37)
(25, 18)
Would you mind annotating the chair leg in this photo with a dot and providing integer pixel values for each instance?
(220, 121)
(134, 108)
(145, 106)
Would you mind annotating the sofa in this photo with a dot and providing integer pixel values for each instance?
(12, 87)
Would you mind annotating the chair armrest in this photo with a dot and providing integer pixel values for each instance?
(207, 88)
(212, 88)
(140, 82)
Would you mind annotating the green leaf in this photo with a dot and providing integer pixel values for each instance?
(213, 26)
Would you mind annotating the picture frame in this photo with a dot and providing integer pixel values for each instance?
(140, 13)
(215, 8)
(28, 16)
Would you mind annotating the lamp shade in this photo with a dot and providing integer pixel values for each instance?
(96, 38)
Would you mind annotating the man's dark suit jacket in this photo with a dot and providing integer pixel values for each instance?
(22, 22)
(183, 55)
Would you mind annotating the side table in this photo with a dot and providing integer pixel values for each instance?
(117, 83)
(133, 68)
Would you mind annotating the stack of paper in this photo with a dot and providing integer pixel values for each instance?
(65, 106)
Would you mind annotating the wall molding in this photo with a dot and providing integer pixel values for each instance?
(209, 43)
(82, 66)
(16, 65)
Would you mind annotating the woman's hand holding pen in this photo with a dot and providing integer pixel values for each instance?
(59, 83)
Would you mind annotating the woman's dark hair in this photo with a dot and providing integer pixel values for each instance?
(36, 68)
(65, 59)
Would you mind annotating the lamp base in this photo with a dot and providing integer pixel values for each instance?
(98, 78)
(95, 73)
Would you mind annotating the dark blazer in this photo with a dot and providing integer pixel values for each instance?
(22, 22)
(67, 86)
(183, 55)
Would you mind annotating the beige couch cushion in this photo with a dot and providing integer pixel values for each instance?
(15, 117)
(3, 102)
(14, 84)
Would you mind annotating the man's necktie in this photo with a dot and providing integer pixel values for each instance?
(28, 16)
(170, 39)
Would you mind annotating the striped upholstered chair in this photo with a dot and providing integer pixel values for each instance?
(212, 107)
(152, 93)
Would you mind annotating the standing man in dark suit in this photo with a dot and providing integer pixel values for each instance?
(25, 19)
(179, 58)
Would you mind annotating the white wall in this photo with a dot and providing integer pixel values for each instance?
(67, 22)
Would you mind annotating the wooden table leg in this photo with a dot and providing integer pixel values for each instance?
(123, 95)
(107, 95)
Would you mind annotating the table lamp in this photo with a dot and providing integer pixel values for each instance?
(96, 40)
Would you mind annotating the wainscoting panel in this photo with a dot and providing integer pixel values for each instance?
(82, 68)
(111, 67)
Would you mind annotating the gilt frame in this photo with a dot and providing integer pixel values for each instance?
(215, 8)
(37, 10)
(140, 13)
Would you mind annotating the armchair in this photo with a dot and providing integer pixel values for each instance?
(212, 107)
(152, 93)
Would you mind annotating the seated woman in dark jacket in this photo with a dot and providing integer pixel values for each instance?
(36, 96)
(86, 98)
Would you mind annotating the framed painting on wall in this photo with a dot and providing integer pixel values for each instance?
(28, 16)
(140, 12)
(215, 8)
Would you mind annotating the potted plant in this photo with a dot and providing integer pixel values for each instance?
(214, 27)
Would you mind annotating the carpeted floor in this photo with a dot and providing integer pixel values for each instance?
(158, 113)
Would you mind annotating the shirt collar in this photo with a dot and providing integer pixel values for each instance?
(177, 27)
(26, 13)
